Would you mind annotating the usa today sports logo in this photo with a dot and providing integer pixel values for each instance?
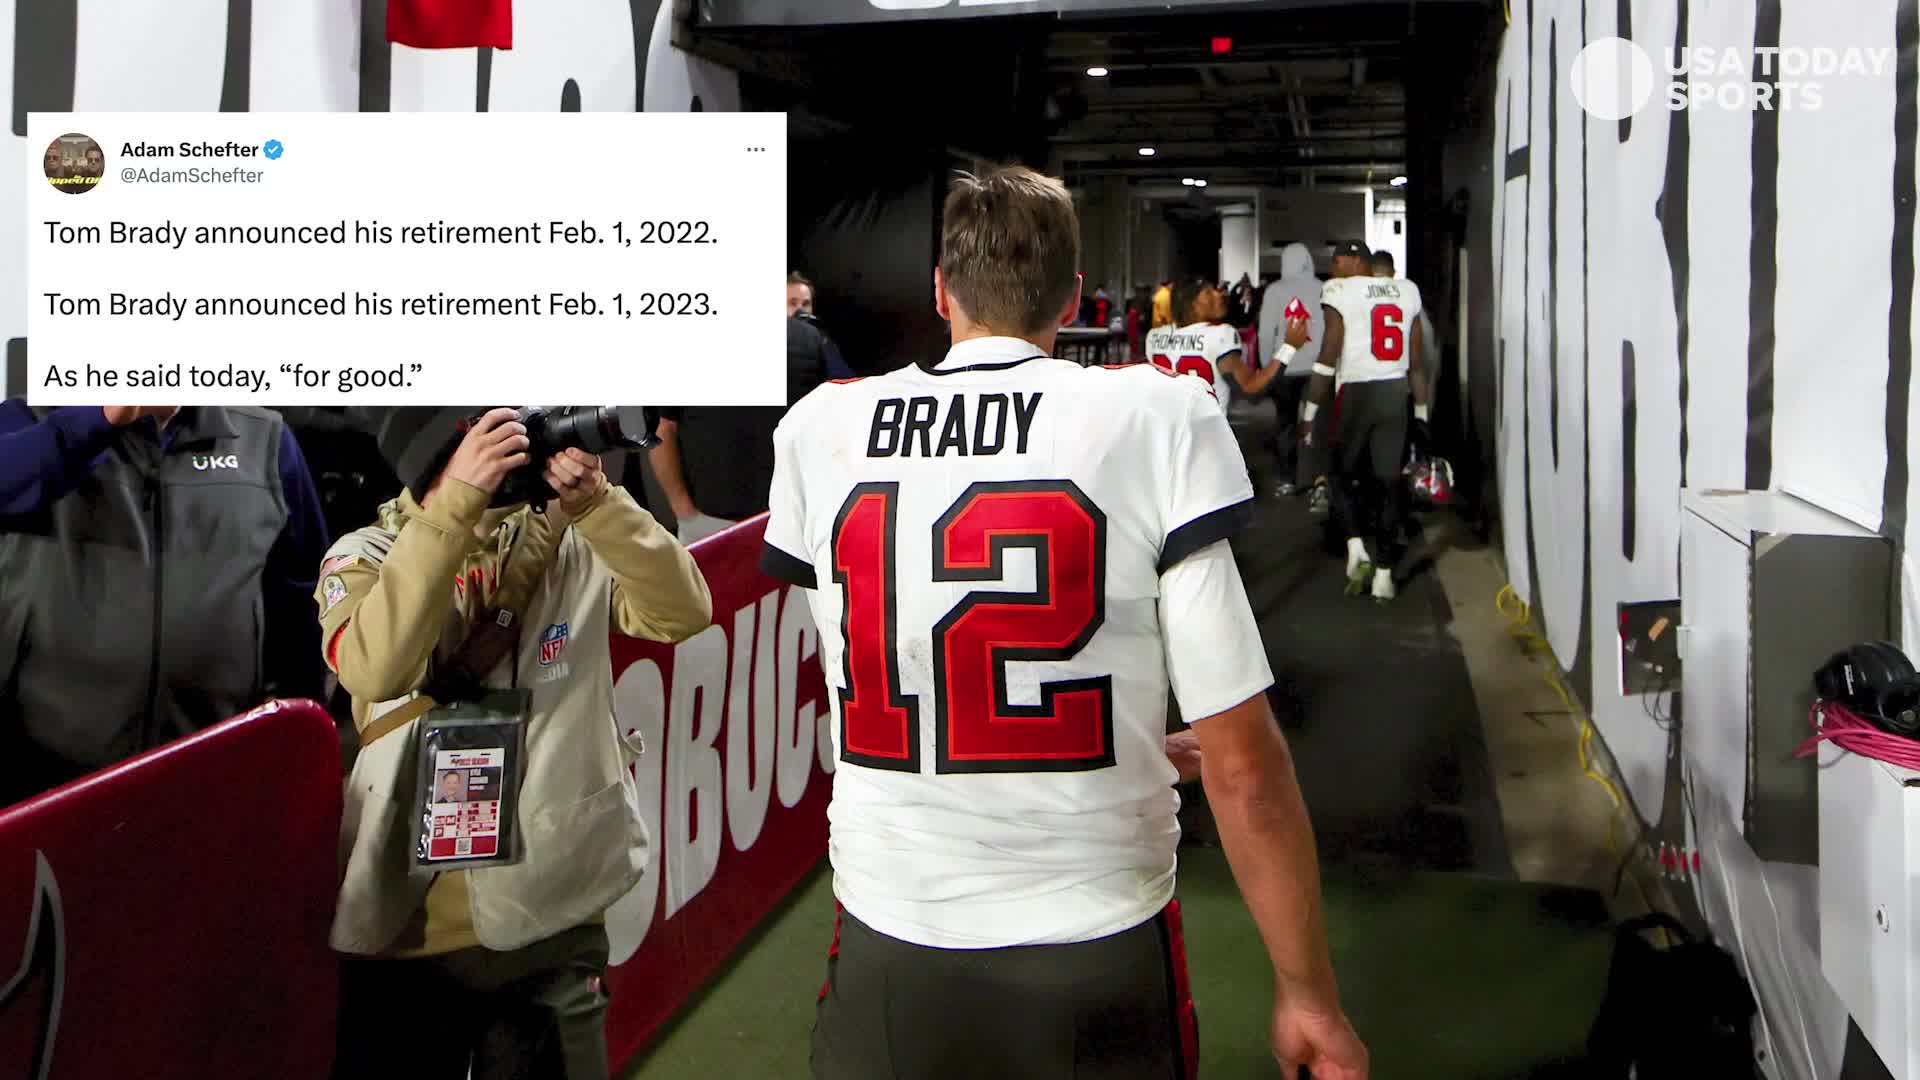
(1613, 78)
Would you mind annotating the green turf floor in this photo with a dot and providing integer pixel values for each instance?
(1447, 977)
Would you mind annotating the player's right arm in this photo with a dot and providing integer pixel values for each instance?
(1247, 771)
(1218, 669)
(784, 553)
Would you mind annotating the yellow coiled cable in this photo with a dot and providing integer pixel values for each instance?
(1508, 603)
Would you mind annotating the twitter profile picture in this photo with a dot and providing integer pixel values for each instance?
(75, 163)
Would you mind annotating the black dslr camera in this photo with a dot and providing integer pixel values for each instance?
(551, 429)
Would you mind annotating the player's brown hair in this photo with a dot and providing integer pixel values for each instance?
(797, 278)
(1010, 248)
(1186, 293)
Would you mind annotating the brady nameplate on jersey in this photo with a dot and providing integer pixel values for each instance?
(902, 426)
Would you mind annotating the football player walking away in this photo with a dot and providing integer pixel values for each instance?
(1373, 341)
(1383, 267)
(1199, 342)
(1013, 560)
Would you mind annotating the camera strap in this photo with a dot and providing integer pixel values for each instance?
(492, 639)
(496, 635)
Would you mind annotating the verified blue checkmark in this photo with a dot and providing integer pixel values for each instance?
(273, 149)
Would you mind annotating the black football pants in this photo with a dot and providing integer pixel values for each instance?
(1370, 451)
(1116, 1008)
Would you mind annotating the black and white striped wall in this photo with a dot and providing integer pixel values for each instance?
(1718, 297)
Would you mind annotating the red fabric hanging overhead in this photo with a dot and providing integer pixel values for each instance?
(450, 24)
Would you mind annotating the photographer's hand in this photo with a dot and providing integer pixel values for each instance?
(495, 446)
(576, 477)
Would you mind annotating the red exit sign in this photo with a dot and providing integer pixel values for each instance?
(1222, 46)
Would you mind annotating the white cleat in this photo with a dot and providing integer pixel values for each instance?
(1382, 585)
(1357, 556)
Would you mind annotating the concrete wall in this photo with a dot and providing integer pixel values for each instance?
(1312, 216)
(1104, 213)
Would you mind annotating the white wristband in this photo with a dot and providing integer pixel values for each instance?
(1323, 369)
(1309, 410)
(1284, 354)
(1420, 413)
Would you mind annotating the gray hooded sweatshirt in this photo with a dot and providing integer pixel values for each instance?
(1297, 283)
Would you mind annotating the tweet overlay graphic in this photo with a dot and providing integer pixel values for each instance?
(1614, 78)
(388, 258)
(74, 164)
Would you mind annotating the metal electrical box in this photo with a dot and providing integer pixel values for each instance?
(1771, 586)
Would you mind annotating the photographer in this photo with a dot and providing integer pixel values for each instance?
(496, 968)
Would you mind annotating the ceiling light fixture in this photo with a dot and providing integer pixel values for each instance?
(1097, 72)
(1146, 151)
(1398, 181)
(1199, 183)
(1186, 181)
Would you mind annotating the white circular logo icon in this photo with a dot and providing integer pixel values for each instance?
(1613, 78)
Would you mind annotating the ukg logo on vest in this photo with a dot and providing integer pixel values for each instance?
(1613, 78)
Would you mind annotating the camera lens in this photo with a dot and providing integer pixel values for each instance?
(626, 425)
(597, 429)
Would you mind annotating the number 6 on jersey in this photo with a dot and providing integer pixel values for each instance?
(977, 729)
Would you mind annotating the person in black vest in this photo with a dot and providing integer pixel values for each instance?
(800, 297)
(156, 577)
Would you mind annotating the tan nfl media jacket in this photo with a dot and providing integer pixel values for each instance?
(384, 596)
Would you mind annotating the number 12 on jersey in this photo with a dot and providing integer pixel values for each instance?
(976, 728)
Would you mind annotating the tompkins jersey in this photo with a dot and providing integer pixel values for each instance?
(999, 549)
(1195, 349)
(1379, 315)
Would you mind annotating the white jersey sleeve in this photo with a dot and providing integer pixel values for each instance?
(1215, 658)
(786, 555)
(1222, 341)
(1207, 496)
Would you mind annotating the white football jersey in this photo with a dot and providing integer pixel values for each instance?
(1196, 349)
(1379, 314)
(1013, 558)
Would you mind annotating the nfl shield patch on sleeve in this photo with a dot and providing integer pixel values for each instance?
(552, 640)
